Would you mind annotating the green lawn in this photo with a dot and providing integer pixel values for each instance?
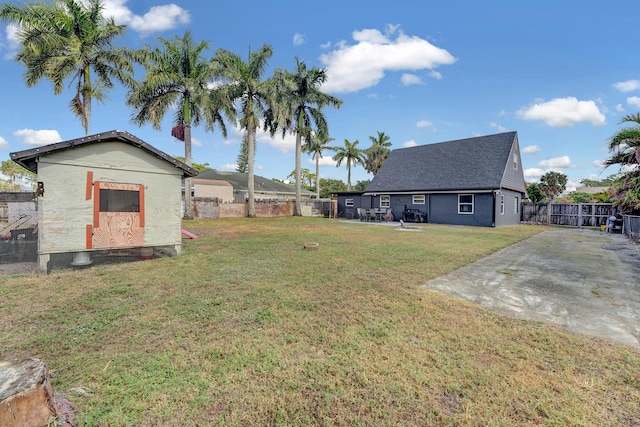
(248, 328)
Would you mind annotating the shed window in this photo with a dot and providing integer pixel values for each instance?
(119, 200)
(465, 204)
(418, 199)
(385, 201)
(502, 204)
(515, 161)
(516, 205)
(348, 202)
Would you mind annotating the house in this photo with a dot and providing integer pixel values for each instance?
(230, 186)
(474, 181)
(105, 191)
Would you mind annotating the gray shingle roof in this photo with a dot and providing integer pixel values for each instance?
(239, 182)
(466, 164)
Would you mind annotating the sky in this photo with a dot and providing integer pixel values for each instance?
(562, 73)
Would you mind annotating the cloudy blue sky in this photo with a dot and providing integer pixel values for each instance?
(561, 73)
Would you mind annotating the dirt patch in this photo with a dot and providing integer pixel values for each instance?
(584, 280)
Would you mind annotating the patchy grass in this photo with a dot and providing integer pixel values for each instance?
(248, 328)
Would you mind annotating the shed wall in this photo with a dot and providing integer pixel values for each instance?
(66, 211)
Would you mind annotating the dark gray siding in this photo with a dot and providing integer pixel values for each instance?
(444, 210)
(349, 212)
(513, 177)
(510, 215)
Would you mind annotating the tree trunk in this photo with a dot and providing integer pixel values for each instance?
(188, 202)
(298, 211)
(27, 398)
(317, 176)
(251, 205)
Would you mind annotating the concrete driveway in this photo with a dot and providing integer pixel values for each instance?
(587, 281)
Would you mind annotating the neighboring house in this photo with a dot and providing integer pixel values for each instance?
(592, 190)
(474, 181)
(105, 191)
(230, 186)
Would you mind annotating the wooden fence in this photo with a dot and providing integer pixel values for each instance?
(567, 214)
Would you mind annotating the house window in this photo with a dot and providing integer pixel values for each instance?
(502, 204)
(515, 161)
(418, 199)
(119, 200)
(516, 205)
(385, 201)
(348, 202)
(465, 203)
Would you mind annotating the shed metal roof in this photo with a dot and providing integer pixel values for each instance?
(28, 158)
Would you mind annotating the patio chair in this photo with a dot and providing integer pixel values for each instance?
(362, 214)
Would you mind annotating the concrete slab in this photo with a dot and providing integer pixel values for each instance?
(585, 280)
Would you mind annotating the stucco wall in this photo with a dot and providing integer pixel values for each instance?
(66, 211)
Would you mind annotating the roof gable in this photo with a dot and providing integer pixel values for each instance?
(28, 158)
(477, 163)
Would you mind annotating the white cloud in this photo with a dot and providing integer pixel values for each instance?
(196, 142)
(533, 173)
(231, 167)
(411, 143)
(38, 137)
(299, 39)
(498, 127)
(158, 18)
(436, 75)
(563, 112)
(410, 79)
(599, 164)
(326, 160)
(619, 108)
(288, 143)
(3, 143)
(531, 149)
(351, 68)
(562, 162)
(372, 96)
(13, 44)
(627, 86)
(634, 101)
(424, 124)
(326, 45)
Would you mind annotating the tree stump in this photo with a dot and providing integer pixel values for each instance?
(27, 398)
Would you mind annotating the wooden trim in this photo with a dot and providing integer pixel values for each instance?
(89, 236)
(141, 201)
(96, 204)
(89, 185)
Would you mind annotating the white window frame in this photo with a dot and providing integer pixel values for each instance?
(516, 205)
(348, 202)
(417, 199)
(385, 201)
(460, 204)
(502, 204)
(515, 161)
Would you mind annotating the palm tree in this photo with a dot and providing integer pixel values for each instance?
(242, 82)
(351, 155)
(377, 153)
(179, 78)
(625, 149)
(315, 146)
(70, 39)
(303, 102)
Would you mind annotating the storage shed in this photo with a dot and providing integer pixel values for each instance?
(102, 192)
